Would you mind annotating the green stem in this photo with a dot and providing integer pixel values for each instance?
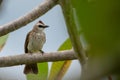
(72, 30)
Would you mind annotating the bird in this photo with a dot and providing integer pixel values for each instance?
(34, 42)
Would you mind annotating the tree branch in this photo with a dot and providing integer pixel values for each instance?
(33, 58)
(38, 11)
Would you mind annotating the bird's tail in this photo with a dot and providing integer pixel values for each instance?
(31, 68)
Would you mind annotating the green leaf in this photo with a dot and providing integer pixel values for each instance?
(100, 24)
(3, 40)
(42, 74)
(59, 68)
(66, 45)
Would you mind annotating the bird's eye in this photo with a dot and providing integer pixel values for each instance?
(40, 26)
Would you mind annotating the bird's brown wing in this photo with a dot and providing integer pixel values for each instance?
(29, 68)
(26, 43)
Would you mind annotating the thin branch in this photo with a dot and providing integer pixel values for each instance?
(33, 58)
(38, 11)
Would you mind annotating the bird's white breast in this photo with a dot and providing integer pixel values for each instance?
(36, 42)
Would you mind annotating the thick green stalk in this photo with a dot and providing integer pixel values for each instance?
(72, 29)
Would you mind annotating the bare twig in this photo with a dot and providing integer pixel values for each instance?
(27, 58)
(38, 11)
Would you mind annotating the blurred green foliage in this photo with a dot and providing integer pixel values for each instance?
(3, 40)
(99, 22)
(59, 68)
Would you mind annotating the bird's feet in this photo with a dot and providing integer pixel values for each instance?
(41, 51)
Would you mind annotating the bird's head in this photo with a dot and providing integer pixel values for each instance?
(40, 26)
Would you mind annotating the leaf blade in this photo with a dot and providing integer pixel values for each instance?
(59, 68)
(3, 40)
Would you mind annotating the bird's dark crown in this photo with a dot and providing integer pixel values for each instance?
(42, 25)
(41, 22)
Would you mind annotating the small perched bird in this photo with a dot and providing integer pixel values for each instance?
(34, 42)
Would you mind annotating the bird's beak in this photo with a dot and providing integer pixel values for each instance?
(46, 26)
